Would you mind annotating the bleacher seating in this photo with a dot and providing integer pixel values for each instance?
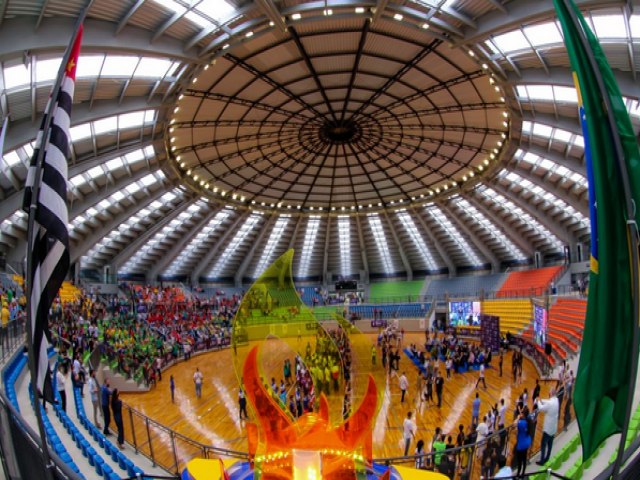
(470, 286)
(528, 283)
(308, 293)
(515, 315)
(566, 323)
(400, 291)
(394, 310)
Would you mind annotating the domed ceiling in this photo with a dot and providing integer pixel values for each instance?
(386, 138)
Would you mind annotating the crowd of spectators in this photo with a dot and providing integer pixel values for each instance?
(141, 333)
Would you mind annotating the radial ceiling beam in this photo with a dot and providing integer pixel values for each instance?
(144, 237)
(380, 7)
(356, 64)
(418, 215)
(563, 77)
(257, 244)
(312, 71)
(557, 229)
(204, 263)
(521, 12)
(479, 244)
(506, 228)
(185, 237)
(54, 32)
(396, 240)
(271, 11)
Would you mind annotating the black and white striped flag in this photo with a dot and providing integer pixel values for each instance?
(48, 245)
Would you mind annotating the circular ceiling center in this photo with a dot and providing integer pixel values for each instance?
(340, 132)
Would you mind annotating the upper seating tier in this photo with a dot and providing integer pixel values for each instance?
(528, 283)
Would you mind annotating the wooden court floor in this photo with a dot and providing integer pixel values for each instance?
(213, 419)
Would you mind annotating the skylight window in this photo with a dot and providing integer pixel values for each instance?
(12, 158)
(80, 132)
(270, 248)
(154, 67)
(609, 26)
(491, 196)
(47, 70)
(239, 238)
(172, 6)
(216, 9)
(475, 215)
(133, 188)
(344, 239)
(18, 75)
(114, 164)
(547, 93)
(186, 256)
(511, 41)
(105, 125)
(119, 66)
(410, 227)
(313, 224)
(453, 233)
(95, 172)
(89, 66)
(381, 242)
(130, 120)
(543, 34)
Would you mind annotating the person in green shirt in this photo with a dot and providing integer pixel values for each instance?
(439, 446)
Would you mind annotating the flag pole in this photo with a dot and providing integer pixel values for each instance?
(632, 230)
(33, 206)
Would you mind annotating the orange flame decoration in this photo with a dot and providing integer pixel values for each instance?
(311, 431)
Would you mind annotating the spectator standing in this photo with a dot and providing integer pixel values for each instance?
(404, 384)
(116, 407)
(481, 377)
(420, 463)
(522, 445)
(408, 432)
(550, 408)
(61, 387)
(475, 410)
(242, 404)
(439, 388)
(197, 380)
(94, 392)
(172, 386)
(105, 393)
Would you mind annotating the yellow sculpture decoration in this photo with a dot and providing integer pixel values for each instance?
(273, 319)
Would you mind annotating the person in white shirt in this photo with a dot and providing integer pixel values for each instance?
(551, 409)
(61, 387)
(483, 430)
(94, 392)
(481, 377)
(404, 384)
(502, 412)
(197, 380)
(408, 432)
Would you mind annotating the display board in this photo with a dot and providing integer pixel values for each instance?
(464, 314)
(490, 332)
(540, 319)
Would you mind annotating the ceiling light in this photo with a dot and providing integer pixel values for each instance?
(499, 143)
(485, 66)
(223, 193)
(249, 34)
(225, 46)
(437, 190)
(471, 174)
(182, 165)
(181, 96)
(242, 198)
(491, 80)
(202, 183)
(310, 208)
(492, 156)
(195, 177)
(471, 54)
(195, 80)
(289, 207)
(299, 207)
(296, 16)
(486, 162)
(359, 9)
(271, 24)
(328, 12)
(505, 124)
(253, 202)
(398, 16)
(502, 99)
(175, 110)
(497, 88)
(189, 172)
(215, 189)
(505, 114)
(333, 209)
(379, 204)
(206, 67)
(445, 187)
(464, 178)
(480, 168)
(234, 196)
(272, 205)
(503, 135)
(495, 150)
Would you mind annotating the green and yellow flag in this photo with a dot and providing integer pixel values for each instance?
(604, 371)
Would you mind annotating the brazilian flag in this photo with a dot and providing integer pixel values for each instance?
(604, 371)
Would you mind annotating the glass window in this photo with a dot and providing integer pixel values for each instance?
(18, 75)
(310, 237)
(119, 66)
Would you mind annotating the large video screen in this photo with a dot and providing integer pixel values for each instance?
(464, 314)
(540, 325)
